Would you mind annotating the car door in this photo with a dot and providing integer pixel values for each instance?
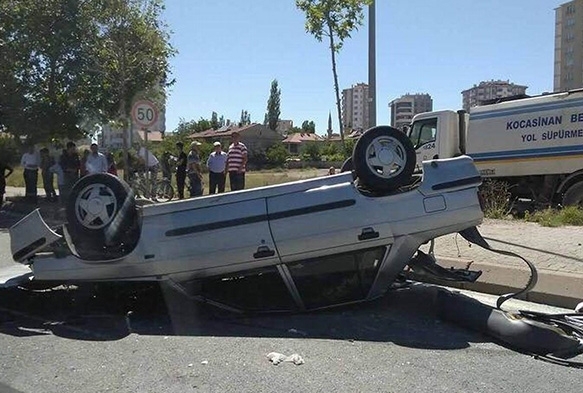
(325, 220)
(215, 238)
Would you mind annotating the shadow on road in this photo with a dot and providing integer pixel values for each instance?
(103, 312)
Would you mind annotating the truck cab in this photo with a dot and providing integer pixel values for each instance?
(436, 135)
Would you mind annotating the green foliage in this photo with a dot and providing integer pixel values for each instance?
(348, 147)
(294, 130)
(277, 154)
(215, 121)
(69, 65)
(337, 17)
(9, 150)
(309, 127)
(495, 198)
(273, 105)
(245, 118)
(187, 128)
(570, 215)
(312, 152)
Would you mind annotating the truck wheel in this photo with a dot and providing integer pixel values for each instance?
(384, 159)
(574, 195)
(101, 213)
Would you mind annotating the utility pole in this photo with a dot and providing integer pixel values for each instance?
(372, 71)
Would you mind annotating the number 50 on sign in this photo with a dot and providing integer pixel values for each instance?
(144, 113)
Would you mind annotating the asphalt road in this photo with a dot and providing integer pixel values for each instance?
(141, 338)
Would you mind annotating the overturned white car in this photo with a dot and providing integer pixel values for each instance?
(324, 241)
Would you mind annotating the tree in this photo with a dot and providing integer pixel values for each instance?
(67, 65)
(335, 19)
(277, 154)
(215, 121)
(309, 127)
(245, 118)
(312, 151)
(43, 47)
(273, 106)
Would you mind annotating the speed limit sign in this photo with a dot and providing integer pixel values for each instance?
(144, 113)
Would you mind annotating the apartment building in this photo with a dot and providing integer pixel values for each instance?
(568, 73)
(490, 90)
(355, 107)
(404, 108)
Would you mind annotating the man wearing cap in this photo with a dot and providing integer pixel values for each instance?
(181, 169)
(236, 162)
(194, 170)
(216, 163)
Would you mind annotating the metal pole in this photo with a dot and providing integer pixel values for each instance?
(147, 159)
(372, 72)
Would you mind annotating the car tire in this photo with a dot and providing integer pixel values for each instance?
(384, 159)
(574, 195)
(347, 165)
(102, 216)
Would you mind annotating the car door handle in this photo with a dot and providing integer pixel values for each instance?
(368, 233)
(263, 252)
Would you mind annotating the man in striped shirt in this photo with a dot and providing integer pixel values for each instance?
(236, 162)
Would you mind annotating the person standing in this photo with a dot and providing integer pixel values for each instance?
(30, 161)
(70, 164)
(96, 161)
(181, 169)
(217, 163)
(236, 162)
(111, 167)
(83, 163)
(194, 170)
(3, 175)
(46, 162)
(151, 163)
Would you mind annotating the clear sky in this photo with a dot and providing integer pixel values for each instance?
(231, 50)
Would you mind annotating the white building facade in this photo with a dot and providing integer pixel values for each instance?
(490, 90)
(568, 74)
(405, 107)
(355, 107)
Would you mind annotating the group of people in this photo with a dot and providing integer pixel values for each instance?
(69, 167)
(220, 163)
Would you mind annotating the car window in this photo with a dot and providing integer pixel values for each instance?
(252, 290)
(423, 131)
(335, 279)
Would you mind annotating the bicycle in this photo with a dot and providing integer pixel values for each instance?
(157, 190)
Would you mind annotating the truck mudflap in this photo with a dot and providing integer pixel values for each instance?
(29, 236)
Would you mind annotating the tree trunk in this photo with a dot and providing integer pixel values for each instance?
(336, 89)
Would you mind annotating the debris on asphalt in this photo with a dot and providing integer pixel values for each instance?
(204, 362)
(277, 358)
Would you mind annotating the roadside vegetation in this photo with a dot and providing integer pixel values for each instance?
(495, 197)
(570, 215)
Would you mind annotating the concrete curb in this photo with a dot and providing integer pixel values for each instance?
(553, 287)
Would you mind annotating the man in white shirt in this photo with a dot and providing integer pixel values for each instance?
(216, 163)
(150, 161)
(30, 161)
(96, 161)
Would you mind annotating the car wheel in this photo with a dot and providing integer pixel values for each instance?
(574, 195)
(384, 159)
(101, 213)
(347, 165)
